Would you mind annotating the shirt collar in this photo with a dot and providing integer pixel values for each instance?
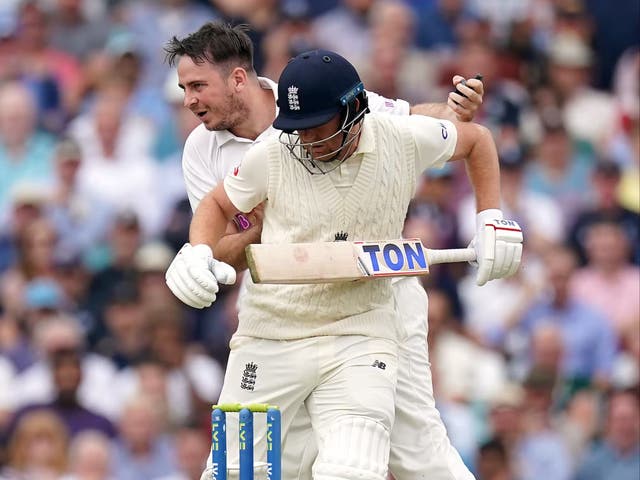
(367, 142)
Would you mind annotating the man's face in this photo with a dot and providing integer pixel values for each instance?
(321, 149)
(209, 94)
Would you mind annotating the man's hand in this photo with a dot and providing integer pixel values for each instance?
(466, 105)
(498, 245)
(194, 274)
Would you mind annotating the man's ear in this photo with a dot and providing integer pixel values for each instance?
(238, 78)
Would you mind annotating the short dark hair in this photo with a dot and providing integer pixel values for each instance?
(218, 43)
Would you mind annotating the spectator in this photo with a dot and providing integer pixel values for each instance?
(195, 378)
(505, 417)
(345, 29)
(27, 204)
(66, 366)
(626, 369)
(80, 219)
(588, 114)
(124, 239)
(54, 75)
(192, 449)
(142, 450)
(36, 249)
(73, 32)
(152, 23)
(89, 457)
(465, 371)
(609, 282)
(589, 342)
(124, 341)
(559, 172)
(25, 152)
(493, 462)
(618, 455)
(396, 68)
(37, 448)
(36, 383)
(605, 205)
(151, 262)
(117, 167)
(439, 23)
(541, 452)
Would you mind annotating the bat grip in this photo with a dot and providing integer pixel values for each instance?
(451, 255)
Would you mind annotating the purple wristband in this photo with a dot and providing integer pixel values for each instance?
(241, 222)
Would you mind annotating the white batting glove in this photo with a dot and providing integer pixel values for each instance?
(498, 246)
(194, 274)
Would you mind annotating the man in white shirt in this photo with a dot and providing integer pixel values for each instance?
(420, 446)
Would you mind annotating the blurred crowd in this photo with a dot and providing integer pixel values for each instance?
(104, 375)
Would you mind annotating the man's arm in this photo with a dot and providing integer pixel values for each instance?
(498, 242)
(210, 220)
(476, 146)
(458, 107)
(230, 248)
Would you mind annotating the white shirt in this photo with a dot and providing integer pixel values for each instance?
(209, 156)
(434, 143)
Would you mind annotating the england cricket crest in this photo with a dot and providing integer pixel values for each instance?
(292, 96)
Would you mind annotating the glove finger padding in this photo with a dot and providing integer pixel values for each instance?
(500, 252)
(485, 255)
(223, 272)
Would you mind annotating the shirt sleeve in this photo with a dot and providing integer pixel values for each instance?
(247, 184)
(380, 104)
(198, 178)
(435, 141)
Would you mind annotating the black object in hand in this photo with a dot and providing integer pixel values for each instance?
(464, 82)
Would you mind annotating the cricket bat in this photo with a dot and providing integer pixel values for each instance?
(328, 262)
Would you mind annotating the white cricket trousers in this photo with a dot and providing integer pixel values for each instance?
(420, 448)
(347, 386)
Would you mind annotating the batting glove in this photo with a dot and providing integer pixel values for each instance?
(498, 246)
(194, 274)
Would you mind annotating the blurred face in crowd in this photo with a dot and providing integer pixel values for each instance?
(108, 117)
(560, 266)
(360, 6)
(192, 447)
(213, 95)
(37, 248)
(623, 429)
(607, 246)
(138, 424)
(555, 149)
(567, 79)
(17, 114)
(67, 374)
(90, 456)
(39, 442)
(32, 29)
(547, 347)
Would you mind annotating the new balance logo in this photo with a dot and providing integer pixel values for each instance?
(292, 96)
(379, 364)
(249, 376)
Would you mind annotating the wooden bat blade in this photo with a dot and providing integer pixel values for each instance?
(303, 263)
(335, 261)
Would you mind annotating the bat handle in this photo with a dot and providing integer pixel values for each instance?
(451, 255)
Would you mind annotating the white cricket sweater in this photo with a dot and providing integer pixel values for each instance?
(307, 208)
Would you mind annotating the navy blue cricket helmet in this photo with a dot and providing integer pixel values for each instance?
(313, 88)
